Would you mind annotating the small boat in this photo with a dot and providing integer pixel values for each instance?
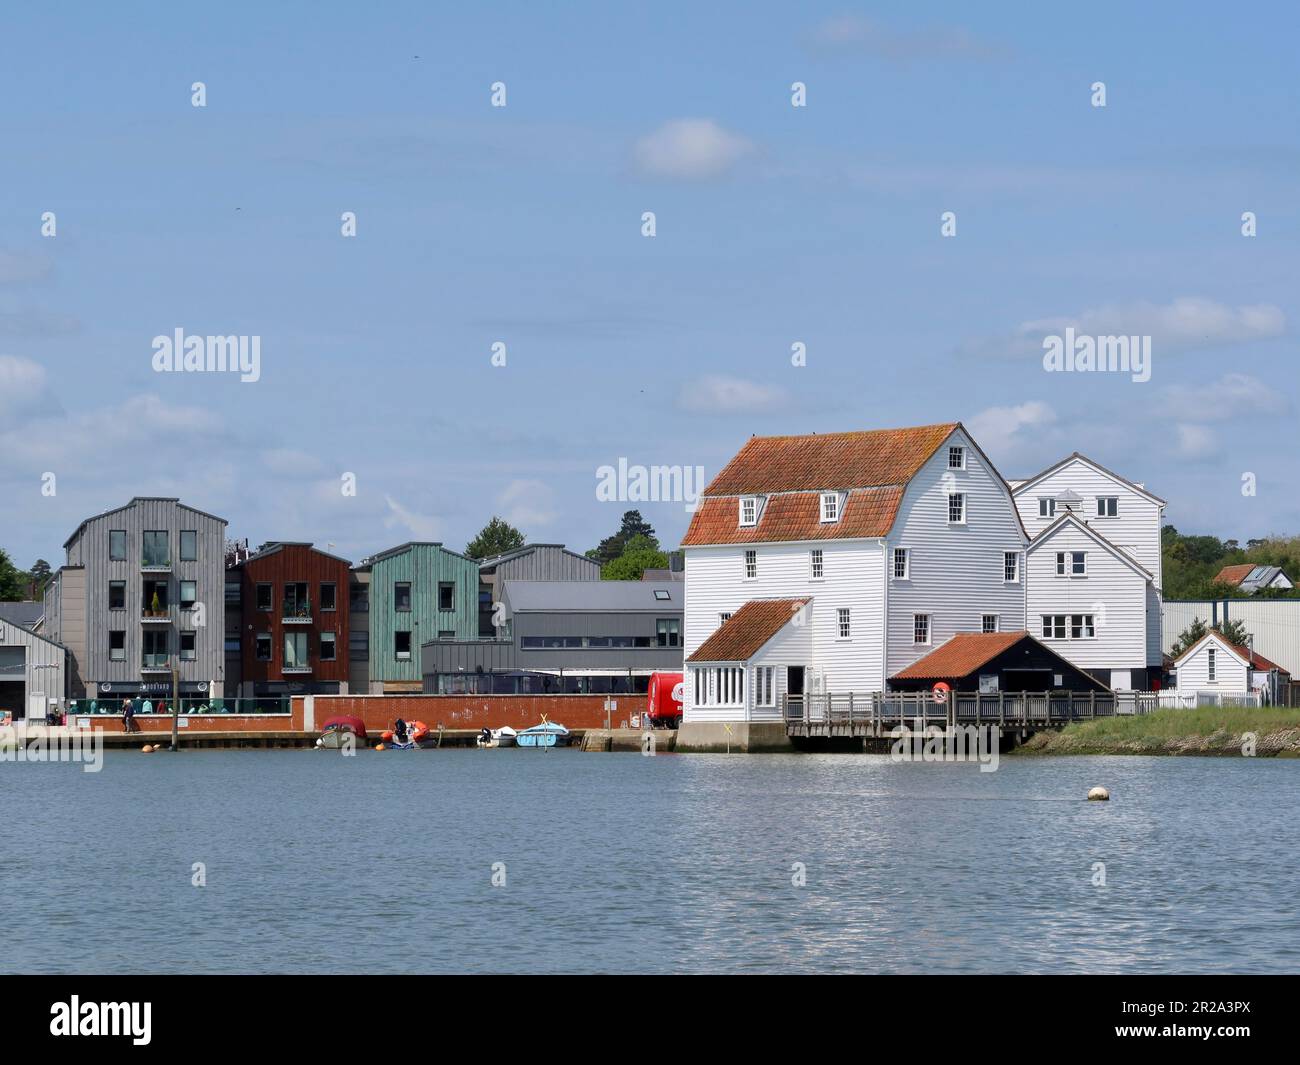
(497, 737)
(337, 730)
(417, 735)
(547, 734)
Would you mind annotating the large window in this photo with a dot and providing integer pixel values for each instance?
(402, 597)
(668, 632)
(295, 649)
(155, 548)
(117, 545)
(189, 545)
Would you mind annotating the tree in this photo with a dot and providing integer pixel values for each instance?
(1188, 636)
(12, 583)
(495, 538)
(40, 572)
(613, 547)
(1232, 631)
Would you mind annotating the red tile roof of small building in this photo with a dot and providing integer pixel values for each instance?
(961, 655)
(739, 638)
(1234, 574)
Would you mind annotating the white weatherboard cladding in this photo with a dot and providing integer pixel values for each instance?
(716, 584)
(792, 646)
(1231, 672)
(1113, 592)
(1136, 528)
(955, 571)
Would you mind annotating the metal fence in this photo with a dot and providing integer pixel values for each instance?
(146, 707)
(1190, 700)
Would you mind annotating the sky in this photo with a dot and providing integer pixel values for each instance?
(523, 225)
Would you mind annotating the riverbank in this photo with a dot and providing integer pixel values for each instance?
(1207, 730)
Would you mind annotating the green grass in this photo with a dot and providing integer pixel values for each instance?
(1167, 730)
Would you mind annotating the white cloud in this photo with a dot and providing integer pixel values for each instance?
(690, 149)
(1001, 431)
(853, 34)
(1196, 442)
(1234, 395)
(1184, 324)
(421, 526)
(528, 503)
(23, 387)
(20, 267)
(718, 394)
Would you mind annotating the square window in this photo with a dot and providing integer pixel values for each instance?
(156, 552)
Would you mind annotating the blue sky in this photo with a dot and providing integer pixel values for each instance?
(522, 225)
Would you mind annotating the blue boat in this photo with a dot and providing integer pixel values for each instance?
(547, 734)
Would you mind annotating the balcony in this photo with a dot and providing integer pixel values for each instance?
(156, 663)
(149, 616)
(300, 668)
(155, 564)
(295, 615)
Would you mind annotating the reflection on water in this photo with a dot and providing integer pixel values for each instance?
(383, 862)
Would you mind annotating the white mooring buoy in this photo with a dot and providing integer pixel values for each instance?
(1098, 794)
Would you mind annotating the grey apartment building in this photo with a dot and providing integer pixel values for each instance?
(143, 589)
(577, 636)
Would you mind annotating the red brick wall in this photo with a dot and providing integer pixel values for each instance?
(474, 711)
(197, 722)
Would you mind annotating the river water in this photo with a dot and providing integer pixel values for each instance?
(316, 862)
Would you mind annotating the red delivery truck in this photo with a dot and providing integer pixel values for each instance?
(664, 700)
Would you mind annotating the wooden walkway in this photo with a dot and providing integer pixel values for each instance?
(877, 714)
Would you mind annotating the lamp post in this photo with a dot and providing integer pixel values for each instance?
(176, 708)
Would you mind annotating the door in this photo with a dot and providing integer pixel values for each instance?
(794, 692)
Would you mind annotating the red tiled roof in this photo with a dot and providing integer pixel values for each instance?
(741, 635)
(827, 461)
(1234, 574)
(1256, 660)
(794, 516)
(961, 655)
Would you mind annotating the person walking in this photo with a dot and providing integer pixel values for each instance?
(128, 716)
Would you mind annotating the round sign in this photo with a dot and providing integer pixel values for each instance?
(679, 692)
(941, 691)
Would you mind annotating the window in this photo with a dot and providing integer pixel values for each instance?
(989, 623)
(189, 546)
(263, 648)
(329, 599)
(668, 632)
(902, 562)
(663, 595)
(402, 598)
(920, 628)
(956, 458)
(724, 618)
(751, 564)
(264, 597)
(117, 545)
(1108, 506)
(188, 653)
(1010, 566)
(189, 595)
(748, 511)
(117, 646)
(328, 652)
(402, 644)
(845, 628)
(295, 649)
(154, 590)
(359, 598)
(446, 595)
(117, 595)
(764, 690)
(816, 563)
(1073, 563)
(1211, 664)
(956, 508)
(1053, 626)
(446, 634)
(155, 548)
(1081, 627)
(1046, 508)
(830, 506)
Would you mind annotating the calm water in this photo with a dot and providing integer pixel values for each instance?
(320, 863)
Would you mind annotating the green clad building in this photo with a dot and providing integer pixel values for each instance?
(418, 592)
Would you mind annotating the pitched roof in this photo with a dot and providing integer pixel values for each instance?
(868, 459)
(1020, 486)
(961, 655)
(739, 638)
(1069, 518)
(134, 501)
(867, 512)
(23, 614)
(1234, 574)
(1251, 657)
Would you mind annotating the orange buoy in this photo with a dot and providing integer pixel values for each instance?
(386, 735)
(379, 746)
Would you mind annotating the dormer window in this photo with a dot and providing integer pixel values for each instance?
(956, 458)
(748, 510)
(830, 506)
